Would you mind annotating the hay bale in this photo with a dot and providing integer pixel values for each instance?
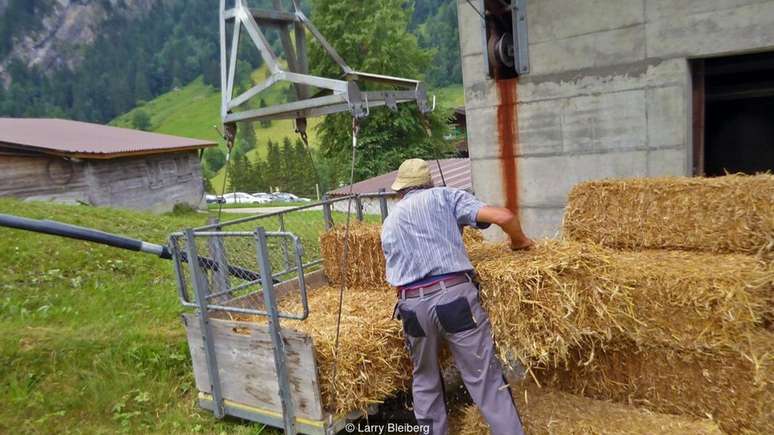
(365, 266)
(735, 388)
(372, 362)
(547, 411)
(563, 294)
(365, 263)
(734, 213)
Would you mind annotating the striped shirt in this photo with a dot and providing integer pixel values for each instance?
(421, 237)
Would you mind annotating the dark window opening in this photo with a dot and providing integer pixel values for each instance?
(734, 114)
(499, 39)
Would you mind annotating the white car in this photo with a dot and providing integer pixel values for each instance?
(289, 197)
(243, 198)
(263, 195)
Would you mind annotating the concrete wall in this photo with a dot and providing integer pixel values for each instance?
(154, 183)
(608, 94)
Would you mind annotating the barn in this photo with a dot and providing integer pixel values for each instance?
(78, 162)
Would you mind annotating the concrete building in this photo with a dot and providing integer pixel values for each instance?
(78, 162)
(615, 88)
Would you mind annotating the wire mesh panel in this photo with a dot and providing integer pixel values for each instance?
(228, 267)
(228, 254)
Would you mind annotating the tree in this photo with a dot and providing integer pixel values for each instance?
(265, 123)
(381, 44)
(239, 174)
(141, 120)
(214, 159)
(245, 139)
(306, 172)
(440, 34)
(289, 171)
(274, 176)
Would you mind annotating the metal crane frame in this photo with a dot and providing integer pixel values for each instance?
(344, 94)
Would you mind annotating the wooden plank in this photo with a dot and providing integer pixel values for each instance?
(245, 358)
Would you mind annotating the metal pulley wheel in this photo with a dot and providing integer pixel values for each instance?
(500, 48)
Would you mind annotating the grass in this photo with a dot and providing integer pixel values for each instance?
(90, 336)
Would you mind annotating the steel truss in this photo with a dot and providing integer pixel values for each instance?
(342, 94)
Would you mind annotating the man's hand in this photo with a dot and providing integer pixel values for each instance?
(509, 222)
(522, 245)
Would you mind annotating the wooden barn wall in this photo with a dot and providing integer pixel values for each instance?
(155, 182)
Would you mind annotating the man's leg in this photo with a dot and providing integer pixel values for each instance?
(422, 341)
(466, 328)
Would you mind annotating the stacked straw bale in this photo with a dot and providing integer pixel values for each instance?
(562, 295)
(372, 362)
(735, 387)
(365, 267)
(547, 411)
(734, 213)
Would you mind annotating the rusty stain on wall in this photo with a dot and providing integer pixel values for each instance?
(508, 136)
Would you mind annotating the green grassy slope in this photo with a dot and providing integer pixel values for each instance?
(91, 339)
(193, 110)
(90, 336)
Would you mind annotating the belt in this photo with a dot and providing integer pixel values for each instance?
(408, 293)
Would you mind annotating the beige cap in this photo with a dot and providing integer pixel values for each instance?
(412, 173)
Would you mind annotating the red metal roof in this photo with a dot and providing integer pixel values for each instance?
(456, 172)
(86, 140)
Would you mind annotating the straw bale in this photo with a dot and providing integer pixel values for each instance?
(564, 294)
(734, 213)
(734, 386)
(540, 302)
(372, 361)
(547, 411)
(366, 264)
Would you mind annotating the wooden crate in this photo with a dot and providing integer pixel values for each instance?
(248, 377)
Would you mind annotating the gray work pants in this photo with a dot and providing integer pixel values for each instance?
(455, 315)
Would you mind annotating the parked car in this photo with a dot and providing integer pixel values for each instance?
(214, 199)
(243, 198)
(289, 197)
(267, 196)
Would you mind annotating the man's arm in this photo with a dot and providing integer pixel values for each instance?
(508, 221)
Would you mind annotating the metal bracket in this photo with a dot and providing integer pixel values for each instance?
(520, 36)
(337, 96)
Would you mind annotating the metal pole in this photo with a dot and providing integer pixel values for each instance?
(288, 409)
(200, 287)
(327, 217)
(359, 208)
(383, 204)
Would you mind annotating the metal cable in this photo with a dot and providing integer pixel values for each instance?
(222, 199)
(305, 139)
(476, 9)
(345, 254)
(440, 171)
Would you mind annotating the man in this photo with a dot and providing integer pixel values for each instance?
(427, 262)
